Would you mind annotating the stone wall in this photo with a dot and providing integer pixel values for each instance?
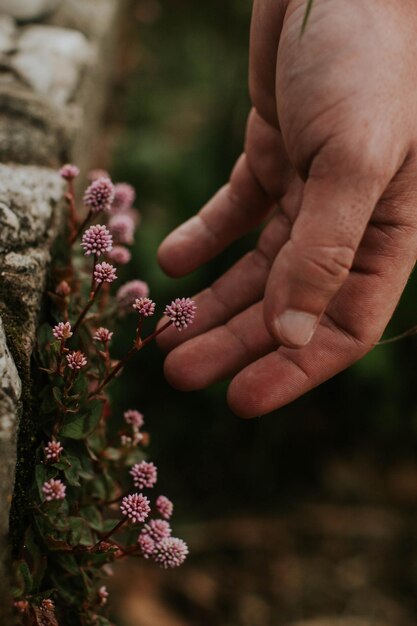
(53, 80)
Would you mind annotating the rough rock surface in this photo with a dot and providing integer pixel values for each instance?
(53, 83)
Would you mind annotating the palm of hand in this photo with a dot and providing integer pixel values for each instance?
(331, 142)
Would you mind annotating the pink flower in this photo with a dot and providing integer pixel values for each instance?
(170, 552)
(124, 196)
(120, 255)
(63, 289)
(53, 490)
(62, 331)
(97, 240)
(104, 273)
(125, 440)
(23, 605)
(164, 506)
(122, 227)
(76, 360)
(157, 529)
(144, 475)
(134, 418)
(144, 306)
(53, 451)
(103, 595)
(99, 195)
(135, 507)
(103, 334)
(147, 545)
(69, 172)
(128, 293)
(96, 174)
(181, 312)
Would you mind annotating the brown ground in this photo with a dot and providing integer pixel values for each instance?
(346, 559)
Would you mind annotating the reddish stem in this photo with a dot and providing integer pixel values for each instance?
(138, 345)
(81, 228)
(111, 532)
(87, 307)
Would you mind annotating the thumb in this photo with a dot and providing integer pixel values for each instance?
(314, 263)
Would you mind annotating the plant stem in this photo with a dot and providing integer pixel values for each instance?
(111, 532)
(87, 307)
(408, 333)
(138, 345)
(81, 228)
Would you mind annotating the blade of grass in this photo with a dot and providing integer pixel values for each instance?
(306, 16)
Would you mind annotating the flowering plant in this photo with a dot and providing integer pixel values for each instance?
(90, 502)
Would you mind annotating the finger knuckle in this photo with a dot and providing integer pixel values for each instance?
(326, 264)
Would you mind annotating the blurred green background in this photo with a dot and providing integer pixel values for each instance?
(178, 115)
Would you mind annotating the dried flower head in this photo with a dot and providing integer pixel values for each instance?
(122, 227)
(103, 595)
(144, 475)
(124, 196)
(69, 171)
(144, 306)
(134, 418)
(104, 273)
(97, 240)
(47, 605)
(164, 506)
(53, 451)
(135, 507)
(76, 360)
(157, 529)
(103, 334)
(62, 331)
(99, 195)
(63, 289)
(53, 490)
(170, 552)
(131, 291)
(147, 545)
(120, 255)
(181, 312)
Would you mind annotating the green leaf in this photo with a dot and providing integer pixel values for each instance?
(24, 577)
(42, 474)
(72, 471)
(80, 426)
(92, 516)
(80, 533)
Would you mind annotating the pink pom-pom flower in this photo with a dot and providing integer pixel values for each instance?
(181, 312)
(147, 545)
(124, 196)
(144, 474)
(103, 334)
(122, 227)
(99, 195)
(131, 291)
(69, 171)
(164, 506)
(170, 552)
(157, 529)
(144, 306)
(135, 507)
(134, 418)
(53, 490)
(104, 273)
(97, 240)
(76, 360)
(103, 595)
(53, 451)
(62, 331)
(120, 255)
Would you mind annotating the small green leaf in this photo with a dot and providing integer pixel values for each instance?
(92, 516)
(80, 532)
(80, 426)
(24, 577)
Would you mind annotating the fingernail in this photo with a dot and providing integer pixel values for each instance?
(296, 327)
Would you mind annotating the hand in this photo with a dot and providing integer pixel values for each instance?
(330, 166)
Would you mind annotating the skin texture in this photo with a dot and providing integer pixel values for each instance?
(329, 166)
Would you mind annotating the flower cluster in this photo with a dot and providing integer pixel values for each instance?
(83, 467)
